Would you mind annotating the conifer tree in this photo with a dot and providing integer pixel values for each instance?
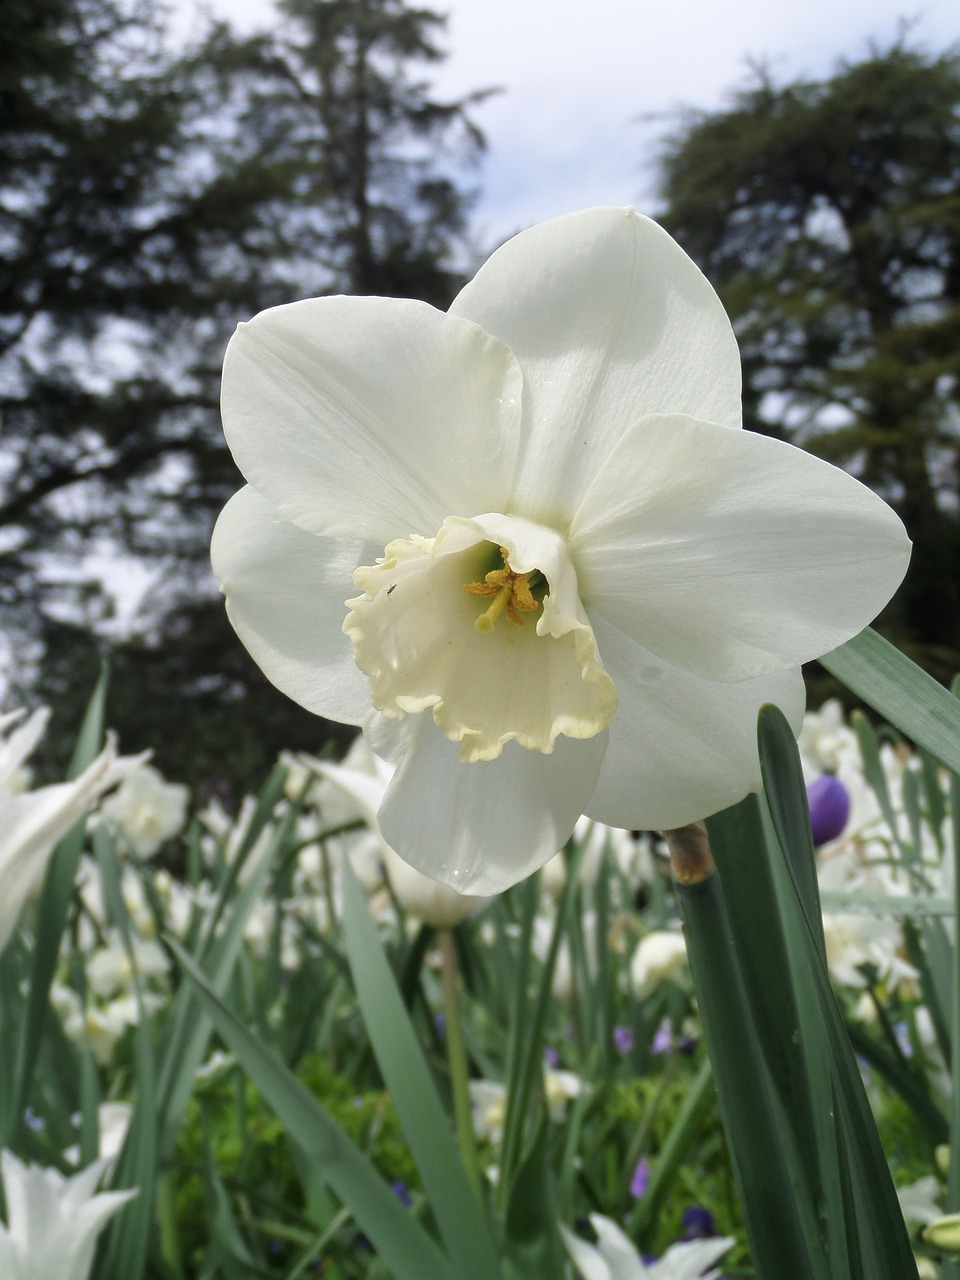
(827, 215)
(150, 200)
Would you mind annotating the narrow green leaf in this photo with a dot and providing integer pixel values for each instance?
(427, 1126)
(128, 1235)
(887, 904)
(526, 1072)
(536, 1250)
(91, 1096)
(858, 1205)
(56, 895)
(879, 1221)
(401, 1242)
(786, 794)
(777, 992)
(901, 692)
(127, 1239)
(779, 1240)
(187, 1037)
(934, 800)
(518, 1033)
(912, 1090)
(90, 737)
(953, 1172)
(869, 746)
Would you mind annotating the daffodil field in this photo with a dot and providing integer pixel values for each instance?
(596, 956)
(292, 1056)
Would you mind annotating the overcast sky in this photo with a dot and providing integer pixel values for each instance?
(578, 74)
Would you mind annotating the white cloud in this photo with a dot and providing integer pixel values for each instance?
(577, 77)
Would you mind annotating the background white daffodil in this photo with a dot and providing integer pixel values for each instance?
(32, 822)
(52, 1221)
(146, 811)
(578, 579)
(615, 1258)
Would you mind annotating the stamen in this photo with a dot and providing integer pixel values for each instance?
(501, 601)
(510, 591)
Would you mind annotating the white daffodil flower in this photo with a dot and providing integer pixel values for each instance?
(920, 1201)
(32, 822)
(659, 956)
(113, 1124)
(147, 811)
(615, 1258)
(52, 1221)
(530, 535)
(488, 1102)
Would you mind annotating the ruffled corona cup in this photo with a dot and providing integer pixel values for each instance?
(527, 547)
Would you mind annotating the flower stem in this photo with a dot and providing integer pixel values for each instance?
(457, 1060)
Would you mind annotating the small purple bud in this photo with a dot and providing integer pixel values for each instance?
(440, 1023)
(640, 1179)
(698, 1223)
(399, 1189)
(662, 1038)
(829, 802)
(623, 1039)
(550, 1056)
(33, 1121)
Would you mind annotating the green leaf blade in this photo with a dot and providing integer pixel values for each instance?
(403, 1245)
(901, 692)
(411, 1087)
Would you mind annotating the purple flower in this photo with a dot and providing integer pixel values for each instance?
(640, 1179)
(34, 1122)
(550, 1056)
(662, 1038)
(829, 802)
(623, 1039)
(698, 1223)
(399, 1189)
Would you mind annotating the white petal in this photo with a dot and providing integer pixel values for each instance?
(286, 593)
(366, 789)
(426, 899)
(371, 417)
(481, 827)
(10, 1262)
(19, 745)
(32, 823)
(681, 748)
(689, 1259)
(732, 554)
(587, 1259)
(617, 1250)
(610, 321)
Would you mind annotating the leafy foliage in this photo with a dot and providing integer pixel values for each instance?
(826, 214)
(149, 201)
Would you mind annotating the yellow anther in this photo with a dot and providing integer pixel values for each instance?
(510, 592)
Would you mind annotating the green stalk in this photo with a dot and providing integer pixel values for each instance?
(950, 1268)
(457, 1060)
(167, 1220)
(765, 1187)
